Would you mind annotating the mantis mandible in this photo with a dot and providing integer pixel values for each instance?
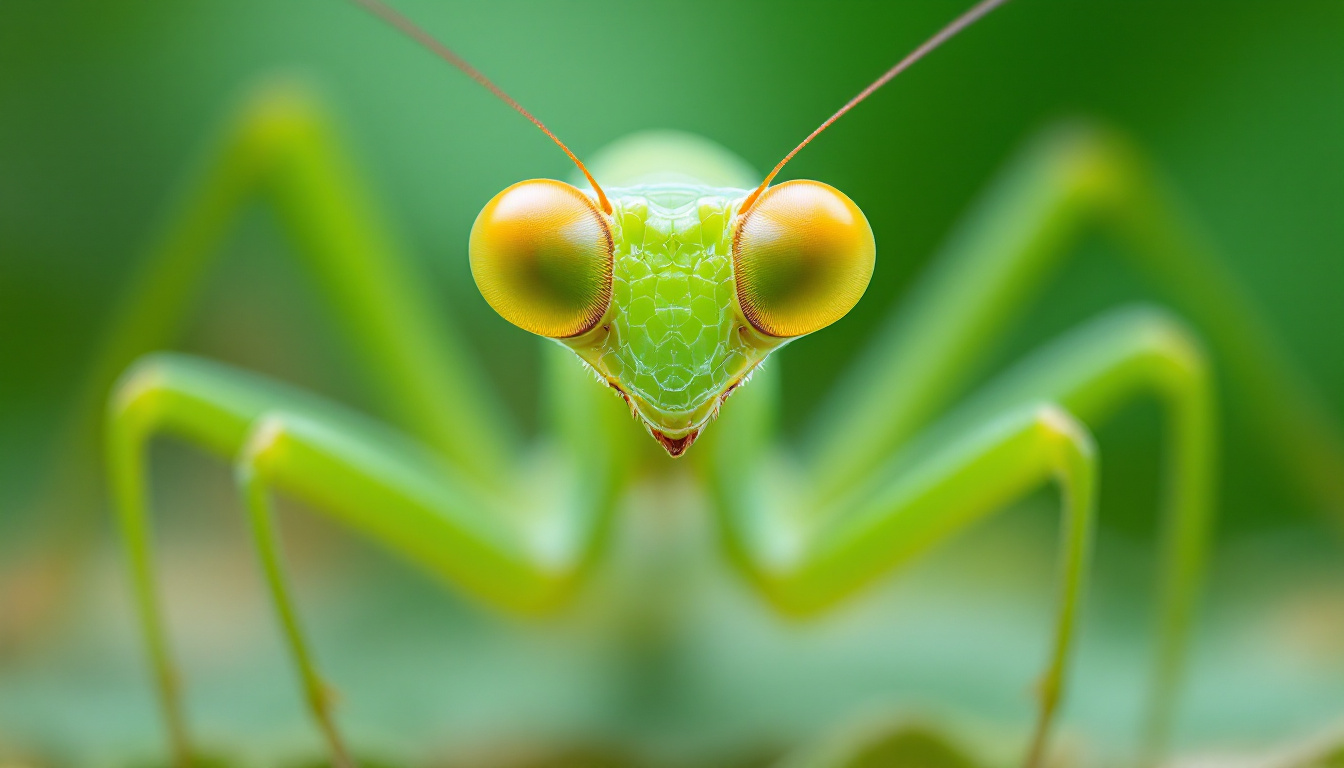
(672, 271)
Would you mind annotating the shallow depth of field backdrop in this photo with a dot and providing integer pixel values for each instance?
(106, 107)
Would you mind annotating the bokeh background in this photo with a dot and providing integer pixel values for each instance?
(106, 107)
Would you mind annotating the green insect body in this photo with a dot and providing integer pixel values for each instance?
(674, 289)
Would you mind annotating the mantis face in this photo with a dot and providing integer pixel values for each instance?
(680, 291)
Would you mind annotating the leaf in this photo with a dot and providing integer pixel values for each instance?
(903, 745)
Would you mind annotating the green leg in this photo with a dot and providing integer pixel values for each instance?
(523, 549)
(266, 536)
(807, 552)
(991, 269)
(280, 150)
(1092, 372)
(804, 569)
(999, 260)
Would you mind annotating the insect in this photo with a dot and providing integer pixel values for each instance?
(673, 291)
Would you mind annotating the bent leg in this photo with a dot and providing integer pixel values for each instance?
(522, 548)
(281, 150)
(807, 552)
(999, 260)
(1095, 370)
(804, 563)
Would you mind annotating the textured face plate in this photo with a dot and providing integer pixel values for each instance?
(674, 341)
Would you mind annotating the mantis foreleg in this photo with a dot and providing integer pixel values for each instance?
(806, 552)
(521, 548)
(281, 149)
(998, 261)
(446, 501)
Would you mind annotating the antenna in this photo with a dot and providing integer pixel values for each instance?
(411, 30)
(961, 22)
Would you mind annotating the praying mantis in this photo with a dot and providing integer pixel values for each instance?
(672, 271)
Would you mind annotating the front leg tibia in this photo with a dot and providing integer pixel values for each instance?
(998, 262)
(806, 561)
(382, 485)
(901, 515)
(1091, 372)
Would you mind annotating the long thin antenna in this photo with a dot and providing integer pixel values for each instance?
(409, 28)
(963, 21)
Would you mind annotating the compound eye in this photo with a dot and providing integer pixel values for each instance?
(802, 257)
(541, 256)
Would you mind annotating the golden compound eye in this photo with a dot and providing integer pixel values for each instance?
(541, 255)
(802, 257)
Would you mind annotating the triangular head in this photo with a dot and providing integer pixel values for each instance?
(674, 288)
(675, 296)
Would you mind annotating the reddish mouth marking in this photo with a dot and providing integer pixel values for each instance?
(675, 445)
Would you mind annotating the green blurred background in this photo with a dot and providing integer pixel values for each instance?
(105, 108)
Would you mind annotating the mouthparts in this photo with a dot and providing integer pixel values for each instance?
(675, 445)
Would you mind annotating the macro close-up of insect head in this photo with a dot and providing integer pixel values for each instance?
(938, 384)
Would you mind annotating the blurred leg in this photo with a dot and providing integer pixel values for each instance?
(1000, 259)
(807, 568)
(279, 150)
(1095, 370)
(380, 484)
(807, 552)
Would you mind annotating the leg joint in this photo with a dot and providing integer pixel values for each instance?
(263, 446)
(1089, 159)
(1072, 449)
(137, 399)
(1175, 343)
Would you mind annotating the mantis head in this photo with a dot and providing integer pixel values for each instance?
(673, 294)
(679, 292)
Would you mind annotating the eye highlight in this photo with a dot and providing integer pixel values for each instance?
(541, 255)
(802, 257)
